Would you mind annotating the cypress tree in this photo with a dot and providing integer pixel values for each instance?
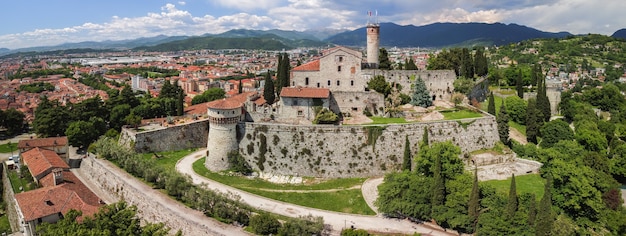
(503, 124)
(532, 129)
(491, 108)
(268, 90)
(519, 84)
(511, 206)
(180, 102)
(545, 219)
(473, 205)
(481, 67)
(543, 103)
(532, 210)
(406, 164)
(383, 59)
(240, 87)
(279, 74)
(424, 138)
(285, 67)
(438, 188)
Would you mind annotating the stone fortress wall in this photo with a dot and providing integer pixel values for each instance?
(189, 135)
(120, 185)
(438, 82)
(331, 151)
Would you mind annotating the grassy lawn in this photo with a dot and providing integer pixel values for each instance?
(382, 120)
(168, 159)
(347, 201)
(460, 114)
(17, 182)
(5, 227)
(532, 183)
(4, 148)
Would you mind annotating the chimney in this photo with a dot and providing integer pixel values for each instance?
(57, 176)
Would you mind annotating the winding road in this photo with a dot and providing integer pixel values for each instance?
(336, 220)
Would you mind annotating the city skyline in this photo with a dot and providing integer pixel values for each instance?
(47, 23)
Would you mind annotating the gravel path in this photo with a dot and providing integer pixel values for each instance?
(370, 192)
(336, 220)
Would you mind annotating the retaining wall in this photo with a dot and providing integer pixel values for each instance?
(352, 151)
(151, 206)
(189, 135)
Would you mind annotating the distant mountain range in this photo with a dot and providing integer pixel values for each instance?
(445, 34)
(619, 34)
(433, 35)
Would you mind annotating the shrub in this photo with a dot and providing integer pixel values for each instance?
(264, 224)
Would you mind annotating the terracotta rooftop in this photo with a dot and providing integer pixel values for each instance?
(42, 142)
(233, 102)
(311, 66)
(40, 160)
(72, 194)
(224, 104)
(300, 92)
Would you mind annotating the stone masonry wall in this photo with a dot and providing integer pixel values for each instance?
(189, 135)
(439, 82)
(9, 198)
(352, 151)
(120, 185)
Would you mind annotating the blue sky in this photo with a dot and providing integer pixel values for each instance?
(27, 23)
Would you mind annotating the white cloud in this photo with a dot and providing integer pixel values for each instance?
(182, 3)
(248, 5)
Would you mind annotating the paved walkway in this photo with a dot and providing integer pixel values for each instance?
(336, 220)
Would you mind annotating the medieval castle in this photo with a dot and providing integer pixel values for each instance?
(280, 139)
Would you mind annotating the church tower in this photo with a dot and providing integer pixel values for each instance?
(373, 41)
(223, 118)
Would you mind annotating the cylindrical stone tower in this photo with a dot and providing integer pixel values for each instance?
(373, 41)
(223, 118)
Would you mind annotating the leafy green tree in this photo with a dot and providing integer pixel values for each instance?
(545, 217)
(532, 128)
(406, 161)
(617, 163)
(133, 120)
(13, 121)
(209, 95)
(81, 133)
(114, 219)
(238, 164)
(118, 113)
(268, 91)
(91, 107)
(503, 124)
(463, 85)
(51, 121)
(354, 232)
(532, 210)
(555, 131)
(511, 207)
(264, 224)
(421, 95)
(380, 85)
(588, 135)
(383, 59)
(324, 116)
(451, 164)
(491, 107)
(516, 109)
(307, 225)
(402, 195)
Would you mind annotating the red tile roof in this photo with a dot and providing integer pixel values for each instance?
(41, 160)
(224, 104)
(311, 66)
(300, 92)
(71, 194)
(42, 142)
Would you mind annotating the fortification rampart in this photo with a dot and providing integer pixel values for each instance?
(151, 206)
(189, 135)
(439, 82)
(352, 151)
